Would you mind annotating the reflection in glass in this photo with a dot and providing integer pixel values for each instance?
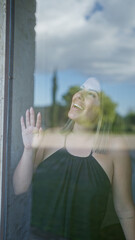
(80, 39)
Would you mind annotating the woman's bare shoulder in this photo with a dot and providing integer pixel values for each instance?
(113, 147)
(113, 142)
(119, 152)
(52, 140)
(114, 156)
(118, 143)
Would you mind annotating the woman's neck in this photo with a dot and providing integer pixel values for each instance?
(81, 138)
(80, 129)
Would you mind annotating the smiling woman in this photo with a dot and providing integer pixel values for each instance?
(85, 105)
(72, 181)
(72, 170)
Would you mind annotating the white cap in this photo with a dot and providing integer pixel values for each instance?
(91, 84)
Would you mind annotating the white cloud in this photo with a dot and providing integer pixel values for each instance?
(104, 45)
(120, 13)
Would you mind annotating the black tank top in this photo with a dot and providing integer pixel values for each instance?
(70, 195)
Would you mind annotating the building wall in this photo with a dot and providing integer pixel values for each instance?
(18, 212)
(2, 79)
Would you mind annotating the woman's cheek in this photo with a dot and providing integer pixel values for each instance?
(93, 113)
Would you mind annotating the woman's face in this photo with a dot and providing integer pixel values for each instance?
(85, 107)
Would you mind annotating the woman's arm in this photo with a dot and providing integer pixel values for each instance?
(24, 171)
(122, 192)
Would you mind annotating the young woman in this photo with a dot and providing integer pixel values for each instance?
(73, 175)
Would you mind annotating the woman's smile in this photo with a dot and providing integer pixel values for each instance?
(77, 106)
(84, 107)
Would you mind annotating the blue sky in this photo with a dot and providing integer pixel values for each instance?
(82, 39)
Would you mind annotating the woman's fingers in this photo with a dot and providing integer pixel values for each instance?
(22, 123)
(38, 122)
(32, 117)
(27, 118)
(38, 138)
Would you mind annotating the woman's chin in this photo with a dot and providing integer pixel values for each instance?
(72, 115)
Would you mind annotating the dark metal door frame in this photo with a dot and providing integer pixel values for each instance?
(7, 112)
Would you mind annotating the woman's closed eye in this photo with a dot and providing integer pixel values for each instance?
(92, 94)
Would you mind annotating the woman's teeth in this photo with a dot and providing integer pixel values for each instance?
(78, 106)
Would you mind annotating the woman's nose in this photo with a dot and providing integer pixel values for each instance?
(79, 95)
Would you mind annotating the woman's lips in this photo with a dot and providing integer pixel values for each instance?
(77, 106)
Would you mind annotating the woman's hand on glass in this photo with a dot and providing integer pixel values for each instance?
(31, 128)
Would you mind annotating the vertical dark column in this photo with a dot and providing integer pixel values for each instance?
(54, 107)
(19, 206)
(7, 112)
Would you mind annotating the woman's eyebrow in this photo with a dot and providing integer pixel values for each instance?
(94, 92)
